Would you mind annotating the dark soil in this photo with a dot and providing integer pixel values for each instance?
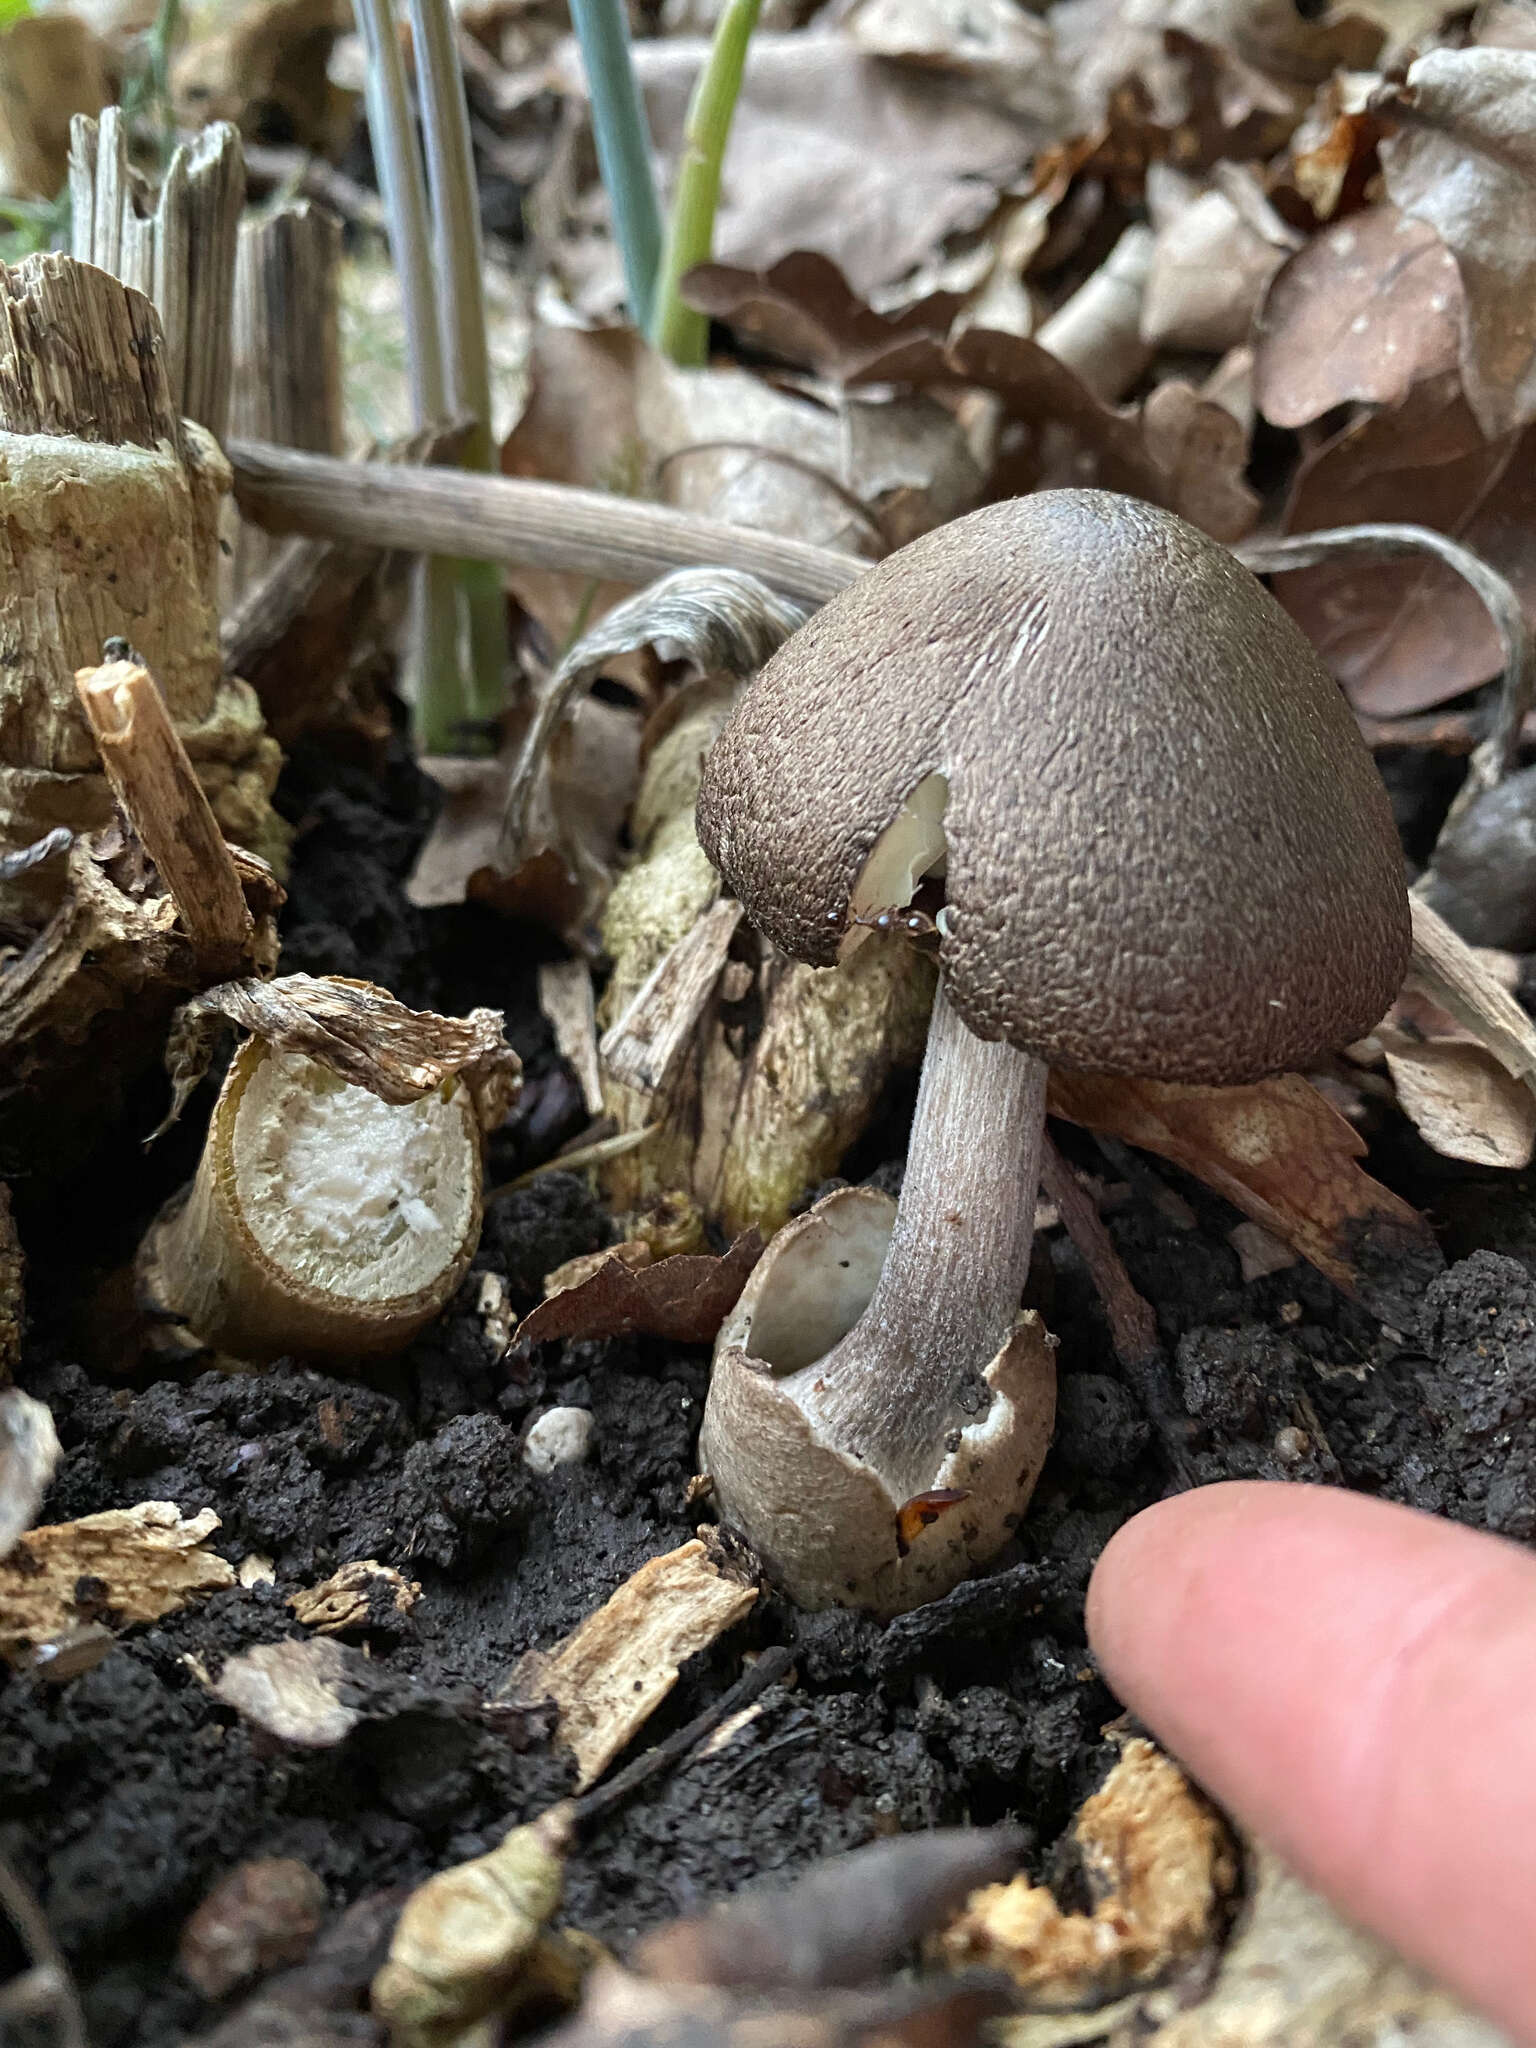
(126, 1792)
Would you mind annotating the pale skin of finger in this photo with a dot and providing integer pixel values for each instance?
(1357, 1683)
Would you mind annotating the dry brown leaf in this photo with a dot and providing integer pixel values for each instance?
(350, 1596)
(1215, 253)
(804, 309)
(1362, 313)
(609, 1676)
(1332, 160)
(1159, 1867)
(684, 1299)
(578, 812)
(357, 1031)
(29, 1453)
(1204, 78)
(52, 67)
(1176, 450)
(1464, 160)
(124, 1566)
(1005, 55)
(1461, 1100)
(292, 1691)
(1284, 1156)
(861, 475)
(1405, 635)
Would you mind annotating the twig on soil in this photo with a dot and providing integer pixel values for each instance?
(47, 1986)
(841, 1924)
(504, 519)
(577, 1159)
(1132, 1323)
(768, 1669)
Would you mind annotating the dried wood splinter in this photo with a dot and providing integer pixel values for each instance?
(337, 1203)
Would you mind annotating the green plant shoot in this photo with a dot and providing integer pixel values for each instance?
(675, 328)
(623, 147)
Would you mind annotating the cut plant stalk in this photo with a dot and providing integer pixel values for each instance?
(322, 1221)
(677, 329)
(337, 1203)
(623, 147)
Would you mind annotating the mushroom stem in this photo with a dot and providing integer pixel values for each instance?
(948, 1294)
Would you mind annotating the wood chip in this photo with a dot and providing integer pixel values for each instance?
(347, 1598)
(1159, 1866)
(609, 1675)
(643, 1047)
(566, 999)
(1259, 1251)
(1460, 979)
(1296, 1975)
(292, 1690)
(1462, 1100)
(146, 1560)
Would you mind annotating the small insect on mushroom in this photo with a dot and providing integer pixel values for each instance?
(900, 919)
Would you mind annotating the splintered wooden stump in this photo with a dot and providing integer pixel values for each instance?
(111, 514)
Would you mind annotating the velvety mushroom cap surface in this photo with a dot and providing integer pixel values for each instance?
(1169, 851)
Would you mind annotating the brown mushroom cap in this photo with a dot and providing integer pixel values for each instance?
(1169, 851)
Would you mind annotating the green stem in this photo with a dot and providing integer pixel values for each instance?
(623, 146)
(677, 330)
(161, 37)
(459, 258)
(438, 708)
(403, 188)
(434, 675)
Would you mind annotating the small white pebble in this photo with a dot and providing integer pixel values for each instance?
(1292, 1445)
(561, 1436)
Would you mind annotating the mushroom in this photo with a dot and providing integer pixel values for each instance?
(1165, 851)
